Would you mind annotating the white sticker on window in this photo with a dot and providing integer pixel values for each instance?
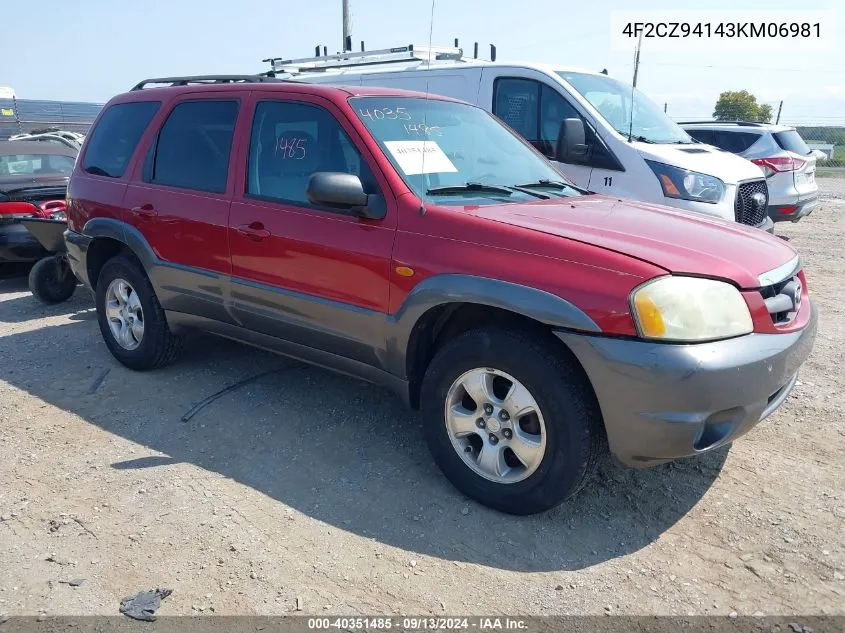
(420, 157)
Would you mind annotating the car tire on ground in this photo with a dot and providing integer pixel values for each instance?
(549, 434)
(51, 280)
(132, 321)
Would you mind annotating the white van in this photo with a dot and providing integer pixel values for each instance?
(607, 136)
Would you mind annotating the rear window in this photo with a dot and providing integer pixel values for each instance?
(791, 141)
(36, 165)
(114, 139)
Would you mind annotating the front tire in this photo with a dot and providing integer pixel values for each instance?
(131, 319)
(51, 280)
(511, 422)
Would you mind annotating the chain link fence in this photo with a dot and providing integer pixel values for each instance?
(22, 116)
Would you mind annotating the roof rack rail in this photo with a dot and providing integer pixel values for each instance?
(205, 79)
(717, 122)
(411, 52)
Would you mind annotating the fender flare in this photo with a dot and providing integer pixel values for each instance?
(439, 290)
(124, 233)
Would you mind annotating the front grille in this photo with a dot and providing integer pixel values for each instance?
(746, 209)
(783, 299)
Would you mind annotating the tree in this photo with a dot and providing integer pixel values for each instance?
(741, 105)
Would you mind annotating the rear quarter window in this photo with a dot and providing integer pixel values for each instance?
(116, 136)
(791, 141)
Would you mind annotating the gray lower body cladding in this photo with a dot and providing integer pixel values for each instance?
(664, 401)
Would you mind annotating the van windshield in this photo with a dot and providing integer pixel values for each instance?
(616, 101)
(453, 152)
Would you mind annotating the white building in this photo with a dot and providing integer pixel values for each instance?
(825, 148)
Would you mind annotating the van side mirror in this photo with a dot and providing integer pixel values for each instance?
(343, 191)
(571, 146)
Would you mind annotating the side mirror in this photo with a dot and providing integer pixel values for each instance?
(343, 191)
(571, 147)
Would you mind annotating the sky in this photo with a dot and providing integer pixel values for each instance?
(95, 49)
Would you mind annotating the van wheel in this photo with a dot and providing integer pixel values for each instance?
(131, 319)
(510, 423)
(51, 280)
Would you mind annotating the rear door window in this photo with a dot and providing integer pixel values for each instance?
(705, 136)
(194, 145)
(736, 142)
(791, 141)
(114, 139)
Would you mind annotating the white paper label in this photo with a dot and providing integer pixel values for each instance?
(420, 157)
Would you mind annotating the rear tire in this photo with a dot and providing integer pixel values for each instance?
(135, 329)
(555, 448)
(51, 280)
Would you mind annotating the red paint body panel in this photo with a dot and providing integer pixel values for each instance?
(678, 241)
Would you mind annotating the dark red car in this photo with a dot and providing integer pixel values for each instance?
(33, 184)
(418, 243)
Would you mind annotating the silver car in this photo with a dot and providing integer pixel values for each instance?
(787, 162)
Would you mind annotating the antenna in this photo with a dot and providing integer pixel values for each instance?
(456, 42)
(475, 51)
(492, 52)
(425, 117)
(634, 87)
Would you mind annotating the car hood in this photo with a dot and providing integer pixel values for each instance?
(680, 242)
(727, 167)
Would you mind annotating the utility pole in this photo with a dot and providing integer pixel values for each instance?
(347, 23)
(637, 59)
(780, 107)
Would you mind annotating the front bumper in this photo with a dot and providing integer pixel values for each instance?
(17, 244)
(793, 212)
(77, 255)
(665, 401)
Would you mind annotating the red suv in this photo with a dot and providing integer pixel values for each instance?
(416, 242)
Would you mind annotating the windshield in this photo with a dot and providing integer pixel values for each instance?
(35, 165)
(616, 100)
(438, 147)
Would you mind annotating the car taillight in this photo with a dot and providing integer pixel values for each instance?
(776, 164)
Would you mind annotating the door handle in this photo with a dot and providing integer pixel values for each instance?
(255, 231)
(145, 211)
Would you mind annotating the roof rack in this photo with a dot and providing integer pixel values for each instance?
(346, 59)
(716, 122)
(205, 79)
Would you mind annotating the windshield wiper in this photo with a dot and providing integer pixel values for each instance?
(552, 184)
(468, 187)
(642, 139)
(544, 182)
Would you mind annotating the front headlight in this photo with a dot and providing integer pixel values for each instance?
(687, 185)
(689, 309)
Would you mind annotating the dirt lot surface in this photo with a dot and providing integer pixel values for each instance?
(310, 490)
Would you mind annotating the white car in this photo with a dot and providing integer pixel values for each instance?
(787, 161)
(606, 136)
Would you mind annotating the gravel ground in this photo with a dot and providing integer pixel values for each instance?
(306, 490)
